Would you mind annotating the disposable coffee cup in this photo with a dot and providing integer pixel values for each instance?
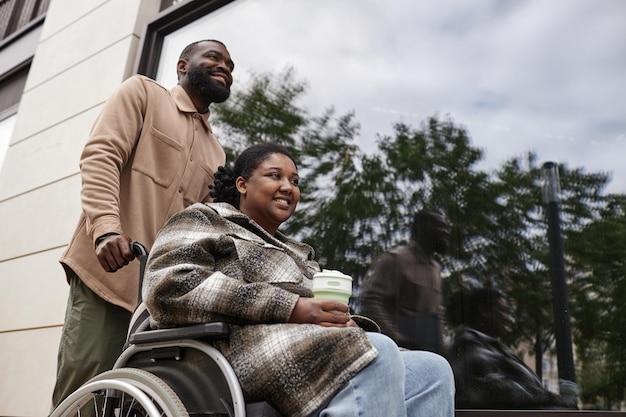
(332, 285)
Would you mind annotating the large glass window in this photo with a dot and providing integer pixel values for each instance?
(525, 82)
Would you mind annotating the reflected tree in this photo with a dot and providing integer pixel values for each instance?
(263, 111)
(356, 205)
(599, 289)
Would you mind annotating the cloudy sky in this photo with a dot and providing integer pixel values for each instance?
(520, 75)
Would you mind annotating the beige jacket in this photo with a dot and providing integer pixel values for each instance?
(150, 154)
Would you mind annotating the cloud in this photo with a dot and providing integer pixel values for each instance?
(547, 76)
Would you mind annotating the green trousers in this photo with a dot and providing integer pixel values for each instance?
(93, 335)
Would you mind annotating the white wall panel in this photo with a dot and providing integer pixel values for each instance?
(34, 291)
(28, 363)
(46, 157)
(62, 13)
(112, 22)
(37, 221)
(76, 90)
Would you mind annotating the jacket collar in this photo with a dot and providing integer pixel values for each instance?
(185, 105)
(419, 253)
(231, 213)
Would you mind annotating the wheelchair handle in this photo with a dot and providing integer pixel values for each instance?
(138, 249)
(141, 252)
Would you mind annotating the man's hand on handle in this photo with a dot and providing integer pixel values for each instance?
(114, 252)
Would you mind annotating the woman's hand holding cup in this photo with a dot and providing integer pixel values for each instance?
(323, 312)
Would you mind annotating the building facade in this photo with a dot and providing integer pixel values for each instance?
(56, 71)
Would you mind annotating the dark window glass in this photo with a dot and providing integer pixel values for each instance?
(16, 14)
(11, 88)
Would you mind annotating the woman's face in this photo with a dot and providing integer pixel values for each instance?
(498, 319)
(270, 195)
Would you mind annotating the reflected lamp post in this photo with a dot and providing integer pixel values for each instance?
(562, 323)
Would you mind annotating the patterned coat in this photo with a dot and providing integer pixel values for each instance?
(211, 262)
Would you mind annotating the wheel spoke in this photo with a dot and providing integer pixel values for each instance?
(124, 392)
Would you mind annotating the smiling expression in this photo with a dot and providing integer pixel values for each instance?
(270, 195)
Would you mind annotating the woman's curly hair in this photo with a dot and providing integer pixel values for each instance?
(224, 189)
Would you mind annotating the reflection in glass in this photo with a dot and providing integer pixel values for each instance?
(489, 374)
(360, 89)
(402, 289)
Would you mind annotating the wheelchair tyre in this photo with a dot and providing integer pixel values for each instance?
(122, 392)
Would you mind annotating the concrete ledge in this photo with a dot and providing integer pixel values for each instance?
(539, 413)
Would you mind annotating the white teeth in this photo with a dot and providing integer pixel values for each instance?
(221, 77)
(280, 200)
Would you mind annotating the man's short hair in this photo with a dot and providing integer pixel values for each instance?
(189, 49)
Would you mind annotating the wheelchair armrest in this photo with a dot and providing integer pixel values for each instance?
(211, 331)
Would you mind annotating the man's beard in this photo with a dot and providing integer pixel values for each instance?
(202, 84)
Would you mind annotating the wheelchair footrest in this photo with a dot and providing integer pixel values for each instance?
(217, 330)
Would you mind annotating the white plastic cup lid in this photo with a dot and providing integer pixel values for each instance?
(331, 273)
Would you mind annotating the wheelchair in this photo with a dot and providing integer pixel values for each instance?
(165, 373)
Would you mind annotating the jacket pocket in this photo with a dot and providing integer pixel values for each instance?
(198, 189)
(159, 157)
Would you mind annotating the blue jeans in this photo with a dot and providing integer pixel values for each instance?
(396, 384)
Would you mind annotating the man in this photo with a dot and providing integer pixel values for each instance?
(402, 291)
(150, 154)
(489, 374)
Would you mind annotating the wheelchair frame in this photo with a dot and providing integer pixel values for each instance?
(165, 372)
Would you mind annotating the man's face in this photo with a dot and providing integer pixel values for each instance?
(209, 72)
(437, 234)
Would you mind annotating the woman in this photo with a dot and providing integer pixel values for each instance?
(488, 373)
(227, 261)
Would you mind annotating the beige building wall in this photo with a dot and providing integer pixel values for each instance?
(85, 50)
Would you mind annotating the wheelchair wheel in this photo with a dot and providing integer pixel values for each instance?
(122, 392)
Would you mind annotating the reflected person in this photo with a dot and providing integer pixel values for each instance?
(488, 374)
(228, 261)
(402, 291)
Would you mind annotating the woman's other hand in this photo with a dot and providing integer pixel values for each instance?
(323, 312)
